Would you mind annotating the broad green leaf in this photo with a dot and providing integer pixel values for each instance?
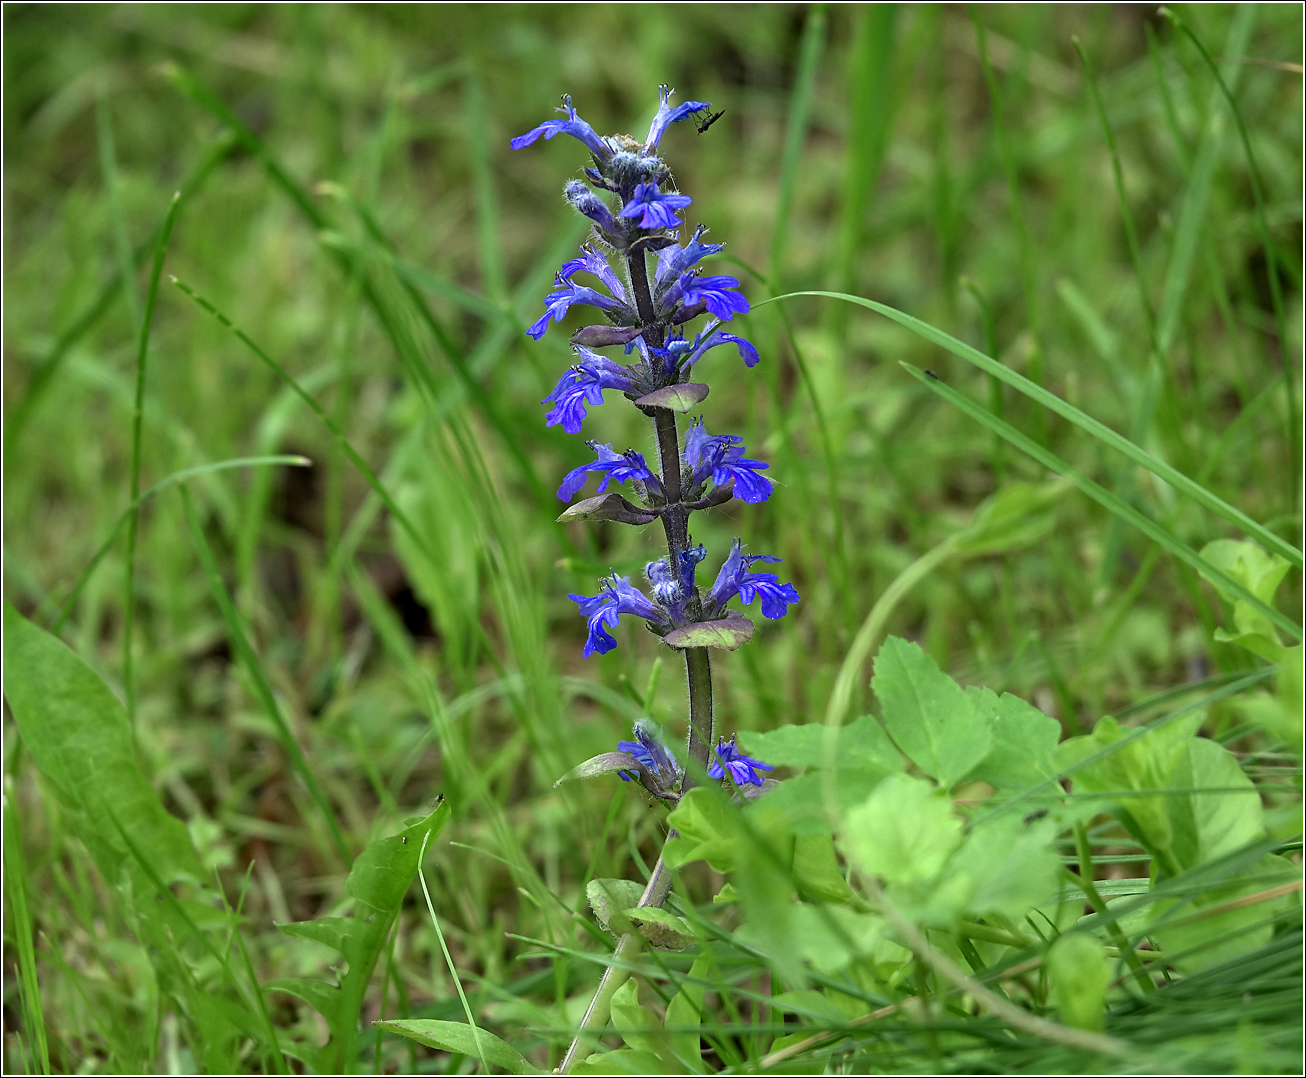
(728, 634)
(638, 1027)
(1194, 936)
(1111, 759)
(1209, 825)
(1266, 711)
(1258, 572)
(860, 745)
(813, 804)
(708, 830)
(1078, 968)
(816, 871)
(830, 937)
(1024, 741)
(684, 1015)
(929, 716)
(608, 897)
(622, 1061)
(459, 1037)
(343, 934)
(79, 738)
(1011, 866)
(382, 873)
(326, 999)
(904, 832)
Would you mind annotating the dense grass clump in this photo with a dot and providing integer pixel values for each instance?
(276, 473)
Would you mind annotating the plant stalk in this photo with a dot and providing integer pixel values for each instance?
(698, 673)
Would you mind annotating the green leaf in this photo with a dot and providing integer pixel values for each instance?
(458, 1037)
(679, 398)
(382, 873)
(79, 738)
(1011, 867)
(607, 507)
(1024, 741)
(606, 763)
(816, 871)
(1268, 712)
(813, 804)
(1078, 967)
(929, 715)
(608, 897)
(708, 830)
(728, 634)
(1207, 826)
(1195, 937)
(638, 1027)
(1111, 759)
(860, 745)
(326, 999)
(684, 1015)
(662, 928)
(622, 1061)
(905, 832)
(1260, 573)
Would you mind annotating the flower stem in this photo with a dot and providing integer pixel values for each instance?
(698, 673)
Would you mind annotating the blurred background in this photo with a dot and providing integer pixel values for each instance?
(350, 202)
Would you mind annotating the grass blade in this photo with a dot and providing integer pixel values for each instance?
(263, 690)
(21, 927)
(83, 323)
(66, 607)
(1099, 430)
(138, 416)
(1106, 499)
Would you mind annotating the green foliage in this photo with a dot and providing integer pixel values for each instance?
(1077, 964)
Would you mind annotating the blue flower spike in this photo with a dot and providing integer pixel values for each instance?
(649, 749)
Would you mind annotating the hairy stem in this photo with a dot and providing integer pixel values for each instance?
(698, 672)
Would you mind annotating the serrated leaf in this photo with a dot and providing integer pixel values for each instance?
(929, 716)
(861, 745)
(813, 804)
(679, 398)
(1024, 741)
(728, 634)
(460, 1038)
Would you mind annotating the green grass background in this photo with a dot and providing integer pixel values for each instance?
(860, 150)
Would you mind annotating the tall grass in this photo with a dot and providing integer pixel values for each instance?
(312, 654)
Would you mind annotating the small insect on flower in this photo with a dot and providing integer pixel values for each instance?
(708, 121)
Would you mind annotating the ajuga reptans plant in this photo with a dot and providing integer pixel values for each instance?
(651, 289)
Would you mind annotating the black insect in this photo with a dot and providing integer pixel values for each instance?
(1037, 815)
(930, 374)
(703, 125)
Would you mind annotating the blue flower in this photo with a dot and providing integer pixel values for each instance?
(592, 262)
(654, 210)
(584, 384)
(711, 337)
(722, 458)
(735, 579)
(573, 125)
(649, 750)
(675, 260)
(715, 292)
(616, 596)
(743, 769)
(587, 202)
(618, 466)
(672, 588)
(668, 114)
(567, 295)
